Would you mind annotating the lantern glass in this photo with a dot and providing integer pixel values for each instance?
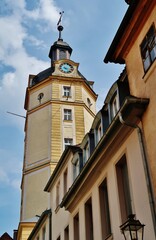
(132, 229)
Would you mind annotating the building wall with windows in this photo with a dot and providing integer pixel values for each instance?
(135, 45)
(142, 82)
(110, 182)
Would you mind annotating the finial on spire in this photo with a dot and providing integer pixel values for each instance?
(60, 19)
(60, 27)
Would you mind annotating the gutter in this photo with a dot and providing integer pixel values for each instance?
(146, 167)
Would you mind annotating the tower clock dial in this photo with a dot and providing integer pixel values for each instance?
(66, 68)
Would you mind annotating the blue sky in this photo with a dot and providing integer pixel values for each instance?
(28, 29)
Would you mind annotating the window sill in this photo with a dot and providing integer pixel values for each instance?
(66, 97)
(68, 121)
(149, 71)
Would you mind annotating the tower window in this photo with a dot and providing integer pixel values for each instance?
(148, 48)
(40, 96)
(68, 114)
(66, 91)
(62, 54)
(67, 142)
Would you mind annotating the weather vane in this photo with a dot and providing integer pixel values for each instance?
(59, 26)
(60, 19)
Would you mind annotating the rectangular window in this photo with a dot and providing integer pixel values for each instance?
(76, 227)
(62, 54)
(104, 210)
(67, 142)
(114, 105)
(148, 48)
(123, 188)
(68, 114)
(65, 178)
(89, 220)
(44, 233)
(66, 91)
(58, 194)
(66, 233)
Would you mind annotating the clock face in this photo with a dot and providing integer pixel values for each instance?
(66, 68)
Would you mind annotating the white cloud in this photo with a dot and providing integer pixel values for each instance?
(10, 170)
(13, 53)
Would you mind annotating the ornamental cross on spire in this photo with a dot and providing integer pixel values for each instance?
(59, 27)
(60, 19)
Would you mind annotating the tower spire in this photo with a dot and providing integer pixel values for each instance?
(60, 49)
(59, 26)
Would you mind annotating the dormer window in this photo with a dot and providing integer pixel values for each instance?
(99, 132)
(114, 105)
(86, 152)
(76, 168)
(148, 48)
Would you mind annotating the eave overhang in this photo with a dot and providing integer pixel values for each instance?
(135, 17)
(131, 111)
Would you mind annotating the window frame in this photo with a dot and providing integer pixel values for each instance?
(147, 47)
(67, 114)
(76, 223)
(124, 192)
(67, 91)
(89, 219)
(104, 210)
(69, 143)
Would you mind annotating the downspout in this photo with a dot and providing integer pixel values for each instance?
(50, 226)
(146, 167)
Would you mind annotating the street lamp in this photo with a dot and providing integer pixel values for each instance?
(132, 229)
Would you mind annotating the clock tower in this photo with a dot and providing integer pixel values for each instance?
(60, 104)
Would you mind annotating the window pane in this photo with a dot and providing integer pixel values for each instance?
(67, 114)
(104, 210)
(67, 91)
(68, 141)
(123, 188)
(62, 54)
(76, 227)
(89, 220)
(148, 48)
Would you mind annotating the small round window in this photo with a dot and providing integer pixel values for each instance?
(40, 96)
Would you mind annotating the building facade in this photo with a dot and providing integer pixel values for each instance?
(109, 173)
(60, 105)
